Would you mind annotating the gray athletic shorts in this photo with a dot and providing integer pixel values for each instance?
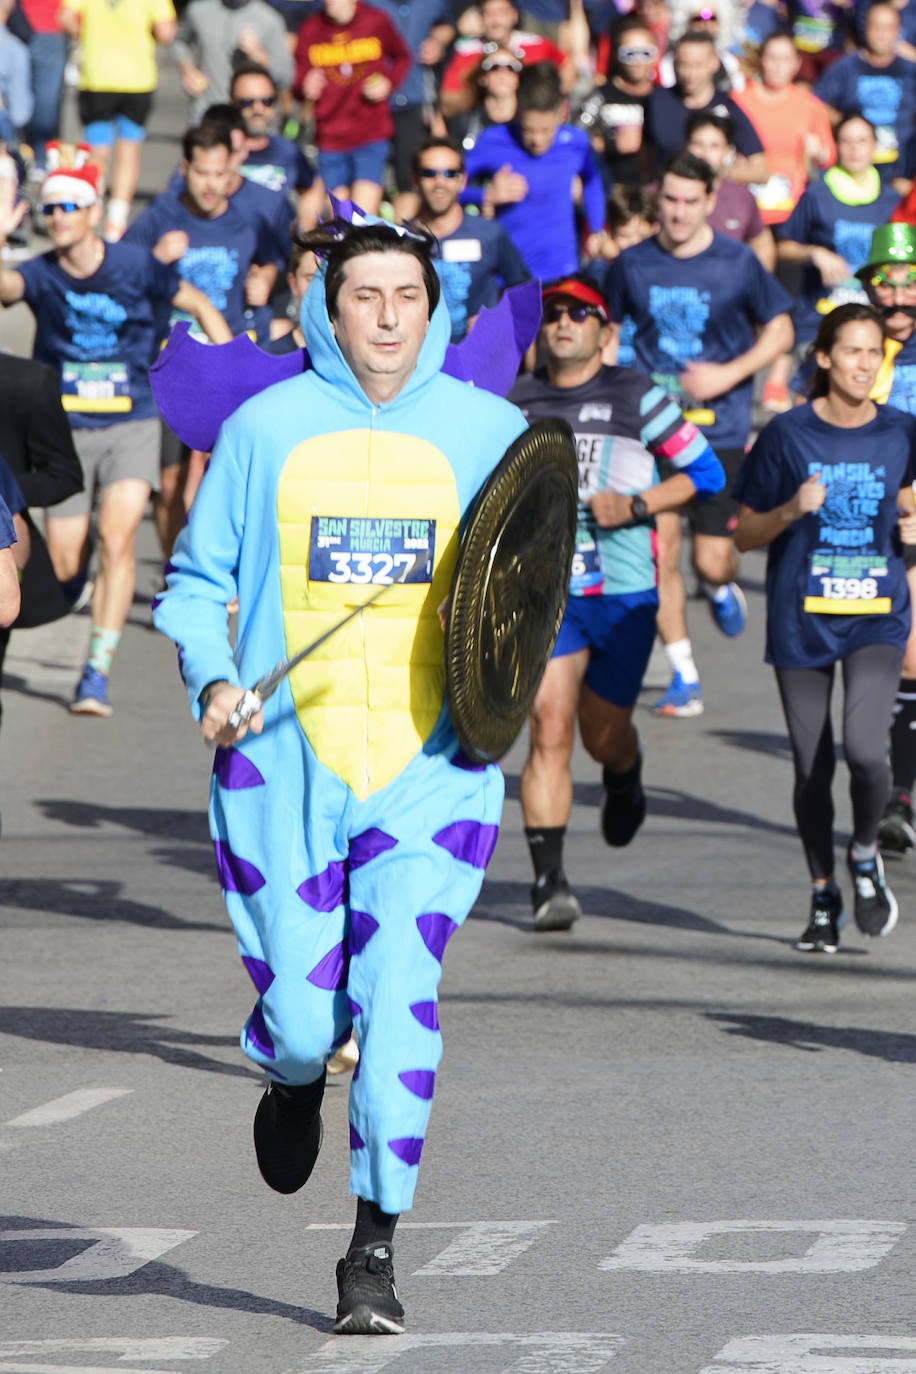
(113, 454)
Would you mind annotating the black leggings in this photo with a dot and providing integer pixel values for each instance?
(870, 679)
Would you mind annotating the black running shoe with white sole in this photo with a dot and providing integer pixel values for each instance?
(822, 933)
(897, 833)
(553, 905)
(367, 1298)
(288, 1132)
(875, 907)
(624, 807)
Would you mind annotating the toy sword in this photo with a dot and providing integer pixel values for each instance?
(254, 697)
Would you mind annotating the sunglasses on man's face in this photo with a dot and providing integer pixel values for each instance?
(884, 278)
(637, 54)
(555, 310)
(66, 207)
(245, 102)
(431, 173)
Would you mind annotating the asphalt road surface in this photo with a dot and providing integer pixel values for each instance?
(663, 1143)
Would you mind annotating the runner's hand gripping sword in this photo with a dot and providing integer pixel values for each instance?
(254, 697)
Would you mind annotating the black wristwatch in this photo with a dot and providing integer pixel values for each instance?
(638, 509)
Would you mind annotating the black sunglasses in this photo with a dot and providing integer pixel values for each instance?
(555, 310)
(246, 102)
(430, 173)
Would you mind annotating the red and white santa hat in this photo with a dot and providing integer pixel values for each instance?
(71, 176)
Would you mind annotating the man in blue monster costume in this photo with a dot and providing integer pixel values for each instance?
(351, 832)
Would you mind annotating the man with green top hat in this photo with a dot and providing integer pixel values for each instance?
(889, 277)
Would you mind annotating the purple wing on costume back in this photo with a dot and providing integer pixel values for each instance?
(198, 385)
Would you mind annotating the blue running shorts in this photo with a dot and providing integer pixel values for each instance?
(618, 632)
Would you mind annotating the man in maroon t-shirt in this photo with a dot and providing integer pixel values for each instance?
(711, 137)
(349, 58)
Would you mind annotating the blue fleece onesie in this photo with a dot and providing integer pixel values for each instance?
(351, 836)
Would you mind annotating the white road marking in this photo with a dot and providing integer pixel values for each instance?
(114, 1252)
(67, 1107)
(542, 1352)
(839, 1247)
(483, 1248)
(122, 1347)
(807, 1353)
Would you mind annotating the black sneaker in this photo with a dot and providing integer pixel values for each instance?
(875, 904)
(624, 806)
(367, 1298)
(288, 1132)
(822, 933)
(896, 833)
(554, 906)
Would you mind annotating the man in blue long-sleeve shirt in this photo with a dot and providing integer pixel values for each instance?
(530, 166)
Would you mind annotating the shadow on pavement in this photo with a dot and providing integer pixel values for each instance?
(181, 825)
(152, 1279)
(497, 895)
(94, 900)
(891, 1046)
(121, 1033)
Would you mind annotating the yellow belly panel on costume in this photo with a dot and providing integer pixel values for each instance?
(349, 508)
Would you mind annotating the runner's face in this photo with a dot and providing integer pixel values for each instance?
(300, 280)
(853, 361)
(339, 11)
(856, 146)
(259, 116)
(565, 341)
(641, 68)
(382, 319)
(438, 194)
(68, 231)
(206, 178)
(882, 29)
(779, 64)
(683, 207)
(695, 65)
(896, 292)
(498, 18)
(710, 145)
(634, 231)
(537, 130)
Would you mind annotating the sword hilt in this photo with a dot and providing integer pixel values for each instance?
(248, 706)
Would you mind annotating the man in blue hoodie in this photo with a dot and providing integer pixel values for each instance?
(351, 832)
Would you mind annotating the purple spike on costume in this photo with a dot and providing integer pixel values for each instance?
(427, 1013)
(420, 1082)
(258, 1034)
(356, 1140)
(362, 928)
(326, 890)
(354, 1008)
(469, 841)
(331, 971)
(489, 355)
(260, 973)
(368, 846)
(234, 771)
(436, 930)
(463, 760)
(235, 874)
(408, 1149)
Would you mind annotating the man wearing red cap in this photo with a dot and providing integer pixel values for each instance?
(95, 306)
(623, 424)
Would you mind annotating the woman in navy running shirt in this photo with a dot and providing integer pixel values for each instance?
(828, 487)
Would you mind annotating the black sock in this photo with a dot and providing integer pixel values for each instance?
(373, 1226)
(546, 846)
(903, 736)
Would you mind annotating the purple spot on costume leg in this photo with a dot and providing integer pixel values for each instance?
(356, 1140)
(420, 1082)
(155, 603)
(408, 1149)
(235, 874)
(368, 846)
(465, 762)
(354, 1007)
(469, 841)
(436, 930)
(259, 1035)
(260, 973)
(234, 771)
(331, 971)
(362, 928)
(169, 569)
(427, 1013)
(326, 890)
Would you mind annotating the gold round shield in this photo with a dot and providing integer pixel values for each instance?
(509, 589)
